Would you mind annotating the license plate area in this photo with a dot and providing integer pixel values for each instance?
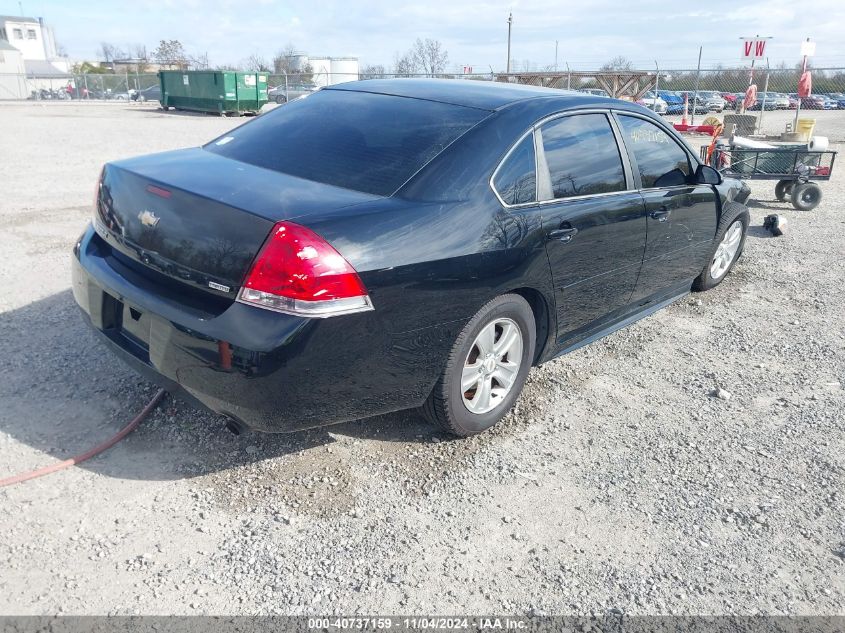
(127, 326)
(136, 325)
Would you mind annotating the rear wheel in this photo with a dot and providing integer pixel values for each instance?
(728, 245)
(486, 369)
(783, 189)
(806, 196)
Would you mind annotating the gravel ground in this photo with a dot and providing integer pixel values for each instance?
(620, 481)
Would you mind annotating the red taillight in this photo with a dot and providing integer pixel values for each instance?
(298, 272)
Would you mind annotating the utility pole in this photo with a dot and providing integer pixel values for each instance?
(656, 84)
(555, 55)
(805, 49)
(510, 22)
(697, 75)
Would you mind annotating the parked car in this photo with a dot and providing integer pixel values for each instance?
(771, 101)
(153, 93)
(815, 102)
(713, 100)
(700, 104)
(839, 98)
(674, 102)
(730, 98)
(781, 100)
(653, 102)
(280, 94)
(408, 254)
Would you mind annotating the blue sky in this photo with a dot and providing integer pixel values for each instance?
(474, 33)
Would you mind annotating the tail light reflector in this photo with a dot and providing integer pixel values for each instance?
(298, 272)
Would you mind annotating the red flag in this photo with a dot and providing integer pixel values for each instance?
(805, 84)
(750, 97)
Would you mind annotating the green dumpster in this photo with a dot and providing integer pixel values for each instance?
(223, 92)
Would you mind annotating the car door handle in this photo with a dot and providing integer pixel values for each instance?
(563, 235)
(661, 215)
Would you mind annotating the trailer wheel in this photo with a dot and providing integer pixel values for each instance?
(783, 189)
(806, 196)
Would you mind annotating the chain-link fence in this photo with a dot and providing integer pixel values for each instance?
(826, 81)
(94, 86)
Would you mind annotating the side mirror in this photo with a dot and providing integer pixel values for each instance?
(706, 175)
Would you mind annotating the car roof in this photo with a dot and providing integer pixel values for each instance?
(486, 95)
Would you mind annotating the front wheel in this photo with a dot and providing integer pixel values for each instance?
(728, 245)
(280, 99)
(486, 369)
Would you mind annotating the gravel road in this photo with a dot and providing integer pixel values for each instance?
(620, 481)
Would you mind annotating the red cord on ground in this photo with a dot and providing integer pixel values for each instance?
(16, 479)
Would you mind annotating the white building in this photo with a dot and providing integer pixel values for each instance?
(36, 43)
(12, 73)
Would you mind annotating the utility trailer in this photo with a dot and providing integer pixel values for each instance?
(794, 167)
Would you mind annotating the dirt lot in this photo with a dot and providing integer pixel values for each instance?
(620, 480)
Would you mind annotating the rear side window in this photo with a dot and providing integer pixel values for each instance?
(367, 142)
(660, 160)
(582, 156)
(516, 180)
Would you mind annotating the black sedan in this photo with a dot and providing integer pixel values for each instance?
(396, 244)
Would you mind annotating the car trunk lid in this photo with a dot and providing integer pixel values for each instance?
(199, 219)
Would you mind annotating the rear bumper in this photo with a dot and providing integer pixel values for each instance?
(270, 371)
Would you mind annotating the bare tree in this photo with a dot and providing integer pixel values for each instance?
(139, 53)
(430, 56)
(404, 65)
(171, 53)
(257, 63)
(285, 60)
(617, 63)
(110, 52)
(372, 71)
(198, 61)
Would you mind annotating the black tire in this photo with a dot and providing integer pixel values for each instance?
(783, 189)
(730, 214)
(445, 406)
(806, 196)
(280, 99)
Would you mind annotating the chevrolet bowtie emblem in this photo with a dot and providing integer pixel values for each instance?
(148, 218)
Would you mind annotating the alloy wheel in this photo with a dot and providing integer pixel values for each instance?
(726, 251)
(492, 366)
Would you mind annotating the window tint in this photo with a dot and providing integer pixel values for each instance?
(515, 181)
(660, 160)
(582, 156)
(357, 140)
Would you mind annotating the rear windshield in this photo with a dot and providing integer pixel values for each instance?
(367, 142)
